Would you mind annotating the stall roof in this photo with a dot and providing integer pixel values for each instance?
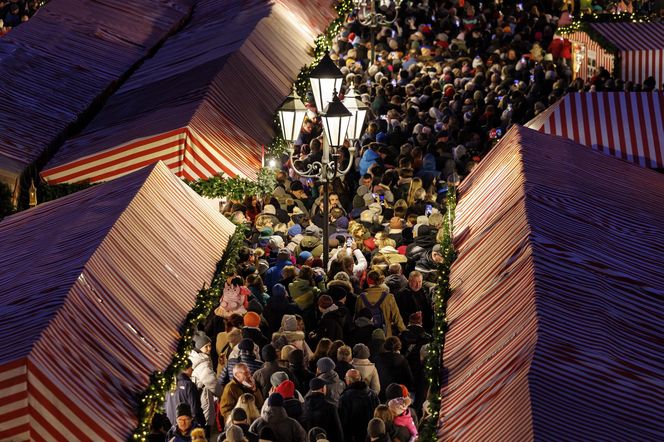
(94, 288)
(555, 315)
(628, 36)
(625, 125)
(65, 58)
(210, 111)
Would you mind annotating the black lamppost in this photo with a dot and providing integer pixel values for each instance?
(325, 80)
(376, 13)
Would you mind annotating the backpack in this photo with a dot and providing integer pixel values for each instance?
(377, 317)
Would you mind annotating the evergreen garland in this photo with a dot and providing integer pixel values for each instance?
(161, 382)
(220, 186)
(441, 295)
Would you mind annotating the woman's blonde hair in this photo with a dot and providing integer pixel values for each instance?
(415, 184)
(248, 403)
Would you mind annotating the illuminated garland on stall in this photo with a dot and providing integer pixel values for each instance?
(161, 382)
(583, 25)
(220, 186)
(442, 293)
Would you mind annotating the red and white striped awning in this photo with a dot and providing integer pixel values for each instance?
(555, 315)
(640, 46)
(93, 289)
(625, 125)
(64, 60)
(208, 112)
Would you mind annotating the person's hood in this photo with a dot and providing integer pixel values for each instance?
(198, 358)
(291, 336)
(274, 415)
(309, 242)
(330, 376)
(332, 311)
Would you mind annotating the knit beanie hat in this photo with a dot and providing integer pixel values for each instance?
(251, 319)
(184, 409)
(275, 400)
(286, 389)
(325, 364)
(361, 351)
(200, 340)
(277, 378)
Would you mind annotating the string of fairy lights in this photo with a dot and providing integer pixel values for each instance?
(161, 382)
(584, 24)
(220, 186)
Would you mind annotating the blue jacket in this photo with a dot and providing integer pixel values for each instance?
(370, 156)
(185, 391)
(273, 274)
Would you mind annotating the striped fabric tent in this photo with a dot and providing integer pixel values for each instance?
(93, 289)
(638, 46)
(70, 54)
(556, 311)
(205, 113)
(625, 125)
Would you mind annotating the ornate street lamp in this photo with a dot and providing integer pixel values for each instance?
(376, 13)
(336, 121)
(291, 116)
(325, 78)
(359, 113)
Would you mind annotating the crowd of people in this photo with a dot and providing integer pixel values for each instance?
(15, 12)
(299, 349)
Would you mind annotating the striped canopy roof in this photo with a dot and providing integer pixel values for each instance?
(628, 36)
(556, 312)
(209, 111)
(93, 289)
(625, 125)
(67, 56)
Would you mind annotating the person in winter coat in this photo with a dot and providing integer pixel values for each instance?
(392, 366)
(291, 331)
(185, 392)
(246, 356)
(292, 403)
(335, 386)
(278, 306)
(273, 274)
(370, 157)
(368, 370)
(428, 264)
(251, 329)
(331, 322)
(318, 412)
(284, 428)
(303, 289)
(238, 417)
(412, 340)
(204, 376)
(270, 366)
(344, 359)
(362, 330)
(402, 415)
(356, 406)
(374, 296)
(423, 241)
(241, 383)
(414, 299)
(184, 425)
(301, 375)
